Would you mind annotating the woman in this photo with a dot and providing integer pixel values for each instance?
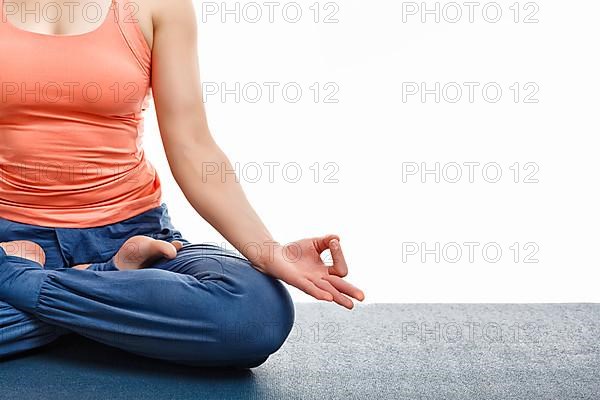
(87, 244)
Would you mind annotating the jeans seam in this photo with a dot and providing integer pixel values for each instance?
(60, 249)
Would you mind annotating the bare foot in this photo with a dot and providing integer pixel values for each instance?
(25, 249)
(142, 251)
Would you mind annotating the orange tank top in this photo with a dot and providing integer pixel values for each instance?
(71, 123)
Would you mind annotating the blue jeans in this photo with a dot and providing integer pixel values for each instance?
(206, 307)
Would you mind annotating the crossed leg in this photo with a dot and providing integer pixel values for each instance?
(205, 306)
(20, 331)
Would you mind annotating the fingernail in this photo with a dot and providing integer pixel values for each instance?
(333, 243)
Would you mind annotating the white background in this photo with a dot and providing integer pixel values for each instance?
(371, 134)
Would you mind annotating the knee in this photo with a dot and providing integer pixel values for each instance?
(265, 319)
(249, 328)
(253, 315)
(20, 332)
(279, 315)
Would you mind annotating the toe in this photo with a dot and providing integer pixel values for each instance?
(166, 249)
(177, 244)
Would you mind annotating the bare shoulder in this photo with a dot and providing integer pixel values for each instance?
(155, 15)
(152, 15)
(172, 14)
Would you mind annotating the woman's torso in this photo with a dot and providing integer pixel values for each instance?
(71, 116)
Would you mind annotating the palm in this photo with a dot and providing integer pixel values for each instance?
(305, 270)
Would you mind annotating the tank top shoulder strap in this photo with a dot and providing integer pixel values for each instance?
(124, 12)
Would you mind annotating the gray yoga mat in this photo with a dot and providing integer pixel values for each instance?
(377, 351)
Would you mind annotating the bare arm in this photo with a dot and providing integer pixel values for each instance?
(190, 147)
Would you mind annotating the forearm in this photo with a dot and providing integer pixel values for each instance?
(206, 176)
(208, 181)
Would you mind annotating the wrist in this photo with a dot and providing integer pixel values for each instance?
(266, 256)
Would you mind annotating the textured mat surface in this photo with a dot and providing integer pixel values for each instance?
(382, 351)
